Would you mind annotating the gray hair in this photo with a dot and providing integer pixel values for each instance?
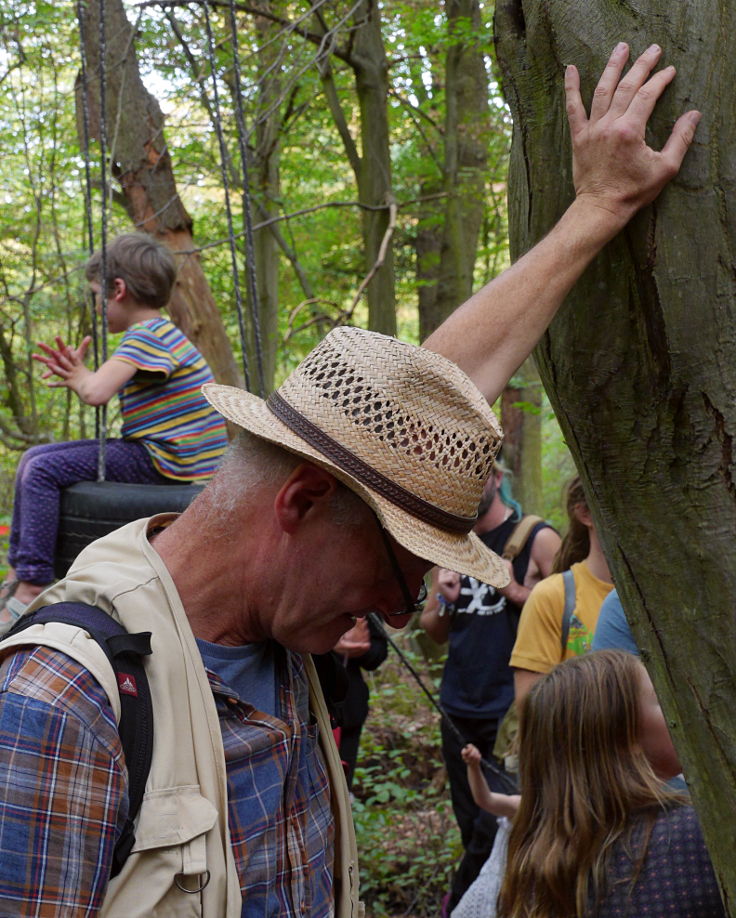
(251, 463)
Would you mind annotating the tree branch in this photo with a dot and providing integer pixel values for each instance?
(289, 253)
(381, 257)
(313, 37)
(415, 113)
(308, 210)
(338, 116)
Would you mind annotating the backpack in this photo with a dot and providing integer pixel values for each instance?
(125, 653)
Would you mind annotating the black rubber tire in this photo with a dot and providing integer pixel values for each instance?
(91, 509)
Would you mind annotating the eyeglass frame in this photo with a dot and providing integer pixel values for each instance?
(412, 605)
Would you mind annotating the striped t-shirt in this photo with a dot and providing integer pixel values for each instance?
(162, 404)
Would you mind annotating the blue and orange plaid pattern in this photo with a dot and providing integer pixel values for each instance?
(63, 792)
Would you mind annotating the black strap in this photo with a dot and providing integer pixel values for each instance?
(506, 780)
(125, 652)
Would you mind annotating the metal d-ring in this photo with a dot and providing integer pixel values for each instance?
(205, 881)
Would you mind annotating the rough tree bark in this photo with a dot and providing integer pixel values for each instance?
(640, 364)
(449, 250)
(266, 168)
(364, 52)
(467, 136)
(141, 164)
(368, 59)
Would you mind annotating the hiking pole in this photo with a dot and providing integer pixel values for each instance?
(505, 779)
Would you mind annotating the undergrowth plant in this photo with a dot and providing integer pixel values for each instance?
(408, 841)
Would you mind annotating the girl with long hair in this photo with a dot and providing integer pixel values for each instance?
(598, 832)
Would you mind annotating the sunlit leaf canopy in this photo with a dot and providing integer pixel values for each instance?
(302, 180)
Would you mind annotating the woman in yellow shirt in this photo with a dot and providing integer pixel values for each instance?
(547, 634)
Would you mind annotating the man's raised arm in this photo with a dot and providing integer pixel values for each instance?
(615, 174)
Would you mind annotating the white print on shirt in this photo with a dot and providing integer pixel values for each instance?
(484, 599)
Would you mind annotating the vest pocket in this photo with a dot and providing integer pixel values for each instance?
(166, 873)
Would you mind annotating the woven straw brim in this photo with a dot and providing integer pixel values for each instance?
(465, 554)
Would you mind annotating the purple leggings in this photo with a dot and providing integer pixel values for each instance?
(42, 473)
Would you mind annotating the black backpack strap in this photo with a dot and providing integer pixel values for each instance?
(125, 652)
(333, 680)
(569, 580)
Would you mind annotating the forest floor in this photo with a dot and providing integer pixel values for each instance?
(408, 841)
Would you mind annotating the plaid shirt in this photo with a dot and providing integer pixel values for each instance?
(63, 792)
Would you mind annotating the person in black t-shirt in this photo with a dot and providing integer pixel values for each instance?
(479, 623)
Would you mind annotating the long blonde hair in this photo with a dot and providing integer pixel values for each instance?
(583, 776)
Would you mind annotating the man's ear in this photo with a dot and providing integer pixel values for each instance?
(308, 489)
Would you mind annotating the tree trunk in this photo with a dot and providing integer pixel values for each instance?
(447, 246)
(141, 163)
(427, 253)
(467, 136)
(266, 163)
(521, 419)
(640, 363)
(368, 60)
(430, 210)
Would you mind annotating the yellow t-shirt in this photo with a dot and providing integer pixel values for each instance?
(538, 640)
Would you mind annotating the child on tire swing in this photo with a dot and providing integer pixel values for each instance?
(169, 431)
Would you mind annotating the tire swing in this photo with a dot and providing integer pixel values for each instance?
(91, 509)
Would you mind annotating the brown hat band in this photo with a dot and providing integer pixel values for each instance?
(346, 460)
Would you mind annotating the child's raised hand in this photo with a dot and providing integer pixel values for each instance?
(471, 755)
(63, 360)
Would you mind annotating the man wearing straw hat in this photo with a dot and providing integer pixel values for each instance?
(359, 473)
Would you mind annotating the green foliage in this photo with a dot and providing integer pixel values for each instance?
(408, 841)
(557, 468)
(43, 176)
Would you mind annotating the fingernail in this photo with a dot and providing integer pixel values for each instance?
(621, 46)
(654, 48)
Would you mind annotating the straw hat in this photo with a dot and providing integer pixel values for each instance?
(401, 426)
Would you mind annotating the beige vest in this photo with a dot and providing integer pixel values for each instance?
(181, 863)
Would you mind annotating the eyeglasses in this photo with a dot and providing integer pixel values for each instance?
(410, 605)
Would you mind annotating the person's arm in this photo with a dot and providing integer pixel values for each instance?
(436, 617)
(488, 800)
(537, 648)
(612, 630)
(544, 548)
(67, 363)
(524, 679)
(378, 650)
(615, 174)
(63, 799)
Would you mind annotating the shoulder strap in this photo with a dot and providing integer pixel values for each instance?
(518, 538)
(125, 653)
(569, 580)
